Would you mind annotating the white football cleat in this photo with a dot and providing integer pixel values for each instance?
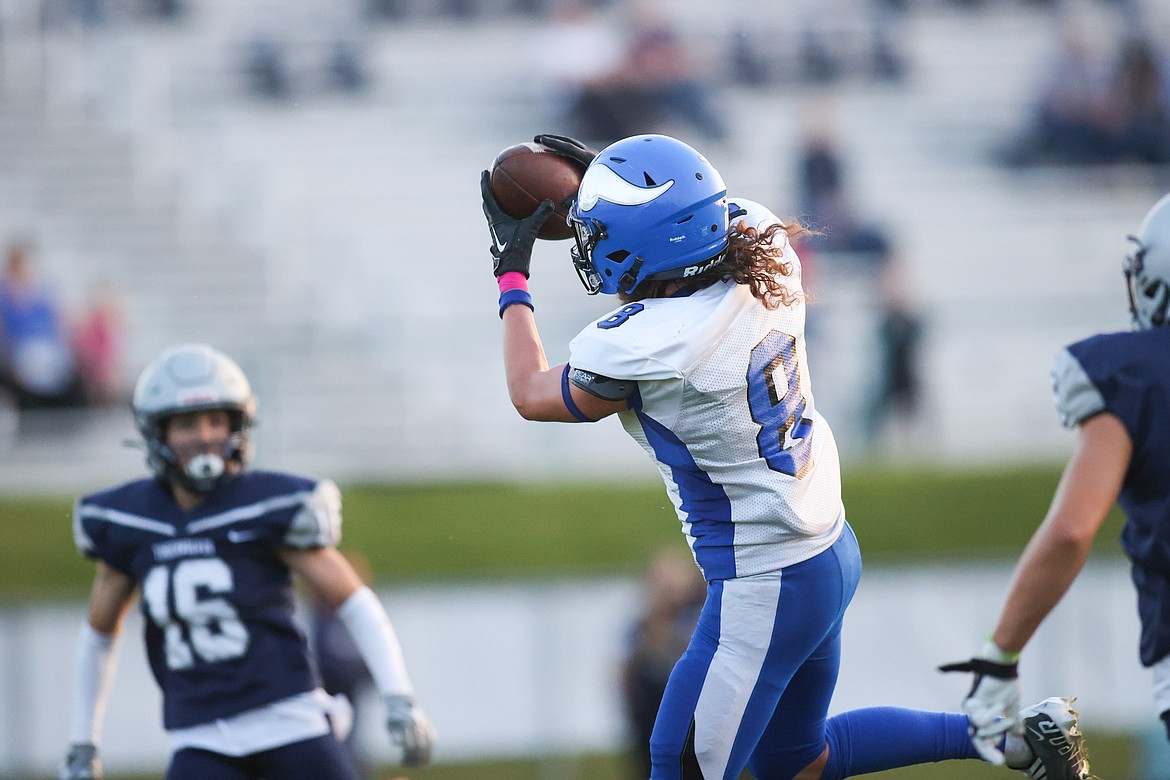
(1058, 748)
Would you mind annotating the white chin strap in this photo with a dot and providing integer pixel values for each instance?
(205, 467)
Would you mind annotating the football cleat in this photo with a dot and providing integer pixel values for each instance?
(1058, 749)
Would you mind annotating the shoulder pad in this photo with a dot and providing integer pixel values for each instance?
(1075, 395)
(318, 521)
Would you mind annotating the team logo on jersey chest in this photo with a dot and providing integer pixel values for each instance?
(182, 548)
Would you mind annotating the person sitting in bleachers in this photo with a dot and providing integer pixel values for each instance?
(39, 368)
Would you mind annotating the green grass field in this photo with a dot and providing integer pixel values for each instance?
(492, 531)
(1110, 758)
(475, 532)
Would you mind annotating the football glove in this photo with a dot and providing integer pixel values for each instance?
(567, 147)
(410, 729)
(512, 238)
(993, 704)
(81, 764)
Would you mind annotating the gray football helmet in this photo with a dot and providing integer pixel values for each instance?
(1147, 270)
(189, 378)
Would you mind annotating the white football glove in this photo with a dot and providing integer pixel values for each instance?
(81, 764)
(410, 729)
(993, 704)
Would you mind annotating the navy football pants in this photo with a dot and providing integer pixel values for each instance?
(320, 758)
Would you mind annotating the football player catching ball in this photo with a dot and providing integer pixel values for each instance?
(704, 363)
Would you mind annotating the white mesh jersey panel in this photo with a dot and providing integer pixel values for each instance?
(698, 356)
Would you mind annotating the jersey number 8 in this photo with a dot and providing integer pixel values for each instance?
(779, 409)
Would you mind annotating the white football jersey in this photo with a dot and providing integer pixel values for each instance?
(725, 408)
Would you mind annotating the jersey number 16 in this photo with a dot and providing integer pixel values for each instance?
(207, 628)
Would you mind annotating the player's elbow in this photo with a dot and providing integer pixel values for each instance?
(527, 407)
(1069, 536)
(532, 405)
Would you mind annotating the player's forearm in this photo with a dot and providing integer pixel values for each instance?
(1043, 575)
(373, 633)
(93, 679)
(1059, 548)
(532, 388)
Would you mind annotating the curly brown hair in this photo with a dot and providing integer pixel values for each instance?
(753, 257)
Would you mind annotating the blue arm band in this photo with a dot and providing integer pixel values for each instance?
(509, 297)
(568, 397)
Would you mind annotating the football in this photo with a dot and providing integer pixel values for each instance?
(525, 174)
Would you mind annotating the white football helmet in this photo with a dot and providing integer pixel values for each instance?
(1147, 270)
(189, 378)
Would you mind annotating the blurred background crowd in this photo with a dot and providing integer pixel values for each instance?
(267, 176)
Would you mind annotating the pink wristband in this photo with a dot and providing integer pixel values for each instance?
(512, 280)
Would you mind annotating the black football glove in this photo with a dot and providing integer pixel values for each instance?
(568, 147)
(512, 238)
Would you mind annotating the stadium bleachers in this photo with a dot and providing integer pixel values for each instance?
(334, 243)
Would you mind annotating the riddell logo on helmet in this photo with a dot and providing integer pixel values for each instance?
(203, 395)
(695, 270)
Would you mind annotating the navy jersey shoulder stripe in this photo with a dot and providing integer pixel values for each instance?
(248, 512)
(127, 519)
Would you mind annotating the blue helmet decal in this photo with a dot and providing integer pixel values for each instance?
(649, 207)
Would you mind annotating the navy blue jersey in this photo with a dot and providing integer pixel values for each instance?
(217, 599)
(1128, 375)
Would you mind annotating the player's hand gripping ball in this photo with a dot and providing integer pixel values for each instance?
(525, 174)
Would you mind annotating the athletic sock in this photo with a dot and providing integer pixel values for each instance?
(879, 738)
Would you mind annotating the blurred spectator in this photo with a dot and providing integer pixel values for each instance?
(1090, 113)
(748, 66)
(828, 44)
(97, 345)
(646, 85)
(1139, 105)
(825, 201)
(340, 663)
(266, 67)
(674, 596)
(576, 50)
(39, 366)
(298, 48)
(164, 9)
(895, 393)
(1070, 116)
(344, 68)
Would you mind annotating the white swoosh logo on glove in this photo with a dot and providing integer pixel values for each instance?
(602, 183)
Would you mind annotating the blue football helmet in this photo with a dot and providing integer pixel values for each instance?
(649, 207)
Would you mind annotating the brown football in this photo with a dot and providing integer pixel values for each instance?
(525, 174)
